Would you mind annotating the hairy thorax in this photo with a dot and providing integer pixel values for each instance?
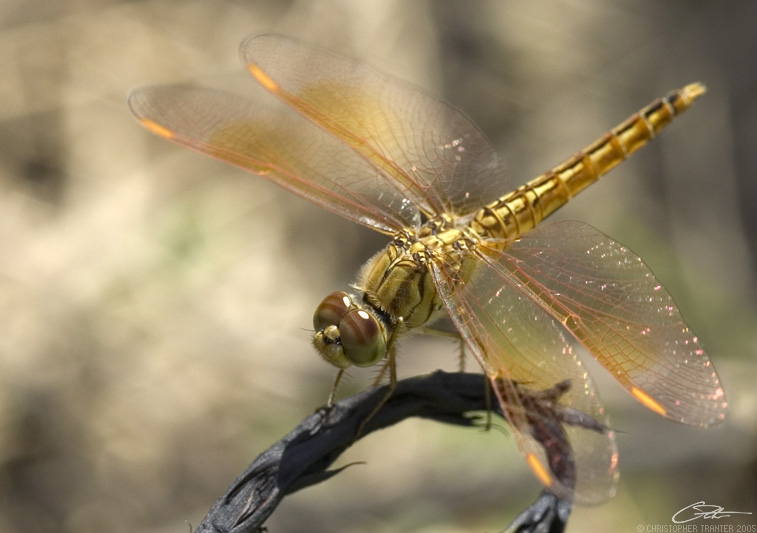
(398, 280)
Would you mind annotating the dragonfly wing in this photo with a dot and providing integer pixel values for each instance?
(278, 145)
(612, 303)
(515, 339)
(434, 154)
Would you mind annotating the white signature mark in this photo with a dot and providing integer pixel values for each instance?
(704, 511)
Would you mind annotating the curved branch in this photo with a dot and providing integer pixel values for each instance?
(302, 457)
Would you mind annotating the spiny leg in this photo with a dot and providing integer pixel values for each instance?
(332, 394)
(488, 389)
(437, 331)
(461, 362)
(391, 364)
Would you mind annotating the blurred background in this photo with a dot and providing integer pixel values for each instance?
(155, 304)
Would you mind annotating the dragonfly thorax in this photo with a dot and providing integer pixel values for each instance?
(396, 294)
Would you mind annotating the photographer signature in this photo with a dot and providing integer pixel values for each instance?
(702, 510)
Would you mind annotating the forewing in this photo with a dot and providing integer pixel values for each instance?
(612, 303)
(515, 339)
(278, 145)
(431, 152)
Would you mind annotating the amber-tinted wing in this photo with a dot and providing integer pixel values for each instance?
(429, 151)
(515, 339)
(612, 303)
(278, 145)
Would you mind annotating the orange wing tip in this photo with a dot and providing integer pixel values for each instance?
(157, 128)
(647, 401)
(263, 78)
(694, 90)
(539, 469)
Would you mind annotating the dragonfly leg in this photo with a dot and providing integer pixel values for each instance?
(391, 364)
(461, 363)
(442, 331)
(438, 332)
(488, 389)
(332, 394)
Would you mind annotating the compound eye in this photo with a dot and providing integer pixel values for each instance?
(363, 338)
(331, 311)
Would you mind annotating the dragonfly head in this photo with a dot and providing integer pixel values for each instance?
(348, 334)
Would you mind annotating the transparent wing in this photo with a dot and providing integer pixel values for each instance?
(515, 339)
(612, 303)
(430, 152)
(280, 146)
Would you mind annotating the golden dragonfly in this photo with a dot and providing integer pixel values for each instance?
(385, 154)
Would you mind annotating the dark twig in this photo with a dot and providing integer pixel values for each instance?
(548, 514)
(302, 457)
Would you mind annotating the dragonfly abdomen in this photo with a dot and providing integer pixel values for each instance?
(521, 210)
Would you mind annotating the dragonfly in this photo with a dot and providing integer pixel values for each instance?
(466, 249)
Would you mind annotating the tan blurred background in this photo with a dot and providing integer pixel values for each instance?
(154, 304)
